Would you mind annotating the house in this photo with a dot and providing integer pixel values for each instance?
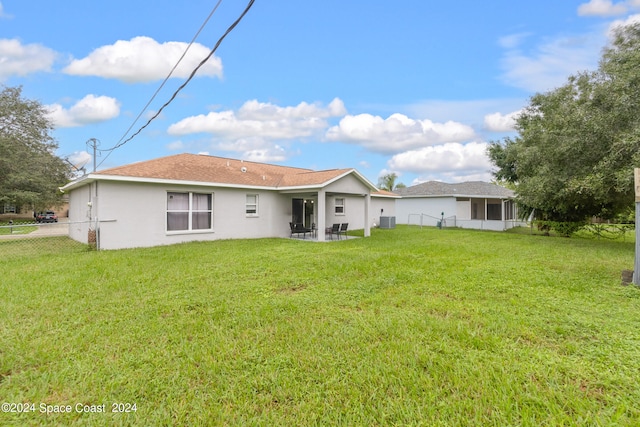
(188, 197)
(383, 208)
(473, 204)
(27, 210)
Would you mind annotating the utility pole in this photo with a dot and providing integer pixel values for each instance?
(94, 144)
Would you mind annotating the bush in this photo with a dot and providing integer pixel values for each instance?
(563, 228)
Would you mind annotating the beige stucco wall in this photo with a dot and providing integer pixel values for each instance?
(353, 191)
(353, 211)
(134, 214)
(79, 213)
(381, 206)
(347, 185)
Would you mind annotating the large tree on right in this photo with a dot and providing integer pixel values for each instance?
(577, 145)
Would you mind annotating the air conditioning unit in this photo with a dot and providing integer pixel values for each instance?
(387, 222)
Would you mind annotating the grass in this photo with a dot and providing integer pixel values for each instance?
(38, 248)
(408, 327)
(17, 224)
(6, 229)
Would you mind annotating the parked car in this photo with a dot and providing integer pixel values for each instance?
(48, 216)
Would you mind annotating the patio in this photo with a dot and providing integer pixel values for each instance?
(314, 238)
(298, 232)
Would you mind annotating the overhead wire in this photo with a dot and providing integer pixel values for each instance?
(195, 37)
(193, 73)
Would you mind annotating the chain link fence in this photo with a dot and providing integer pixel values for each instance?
(28, 238)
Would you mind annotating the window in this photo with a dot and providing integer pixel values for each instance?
(252, 205)
(189, 211)
(339, 207)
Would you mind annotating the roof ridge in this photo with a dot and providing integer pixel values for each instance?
(249, 162)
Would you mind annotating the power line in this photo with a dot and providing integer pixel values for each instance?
(195, 37)
(193, 73)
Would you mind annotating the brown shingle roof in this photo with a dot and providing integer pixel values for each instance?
(385, 193)
(220, 170)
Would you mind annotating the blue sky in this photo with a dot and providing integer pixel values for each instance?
(413, 87)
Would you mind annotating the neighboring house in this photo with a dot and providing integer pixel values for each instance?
(473, 204)
(190, 197)
(60, 209)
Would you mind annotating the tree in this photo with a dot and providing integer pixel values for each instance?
(388, 182)
(30, 173)
(577, 145)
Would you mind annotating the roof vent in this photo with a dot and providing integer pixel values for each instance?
(243, 169)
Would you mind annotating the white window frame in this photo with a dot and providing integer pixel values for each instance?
(190, 211)
(340, 206)
(252, 206)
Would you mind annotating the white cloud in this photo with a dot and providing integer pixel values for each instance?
(512, 41)
(601, 8)
(266, 155)
(143, 59)
(90, 109)
(3, 14)
(396, 133)
(17, 59)
(256, 130)
(175, 146)
(633, 19)
(254, 110)
(467, 112)
(451, 159)
(79, 159)
(255, 149)
(548, 65)
(498, 122)
(262, 120)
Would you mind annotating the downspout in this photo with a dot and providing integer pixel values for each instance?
(367, 207)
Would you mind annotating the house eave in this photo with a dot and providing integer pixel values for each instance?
(386, 196)
(472, 196)
(116, 178)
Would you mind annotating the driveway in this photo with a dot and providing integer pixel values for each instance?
(60, 228)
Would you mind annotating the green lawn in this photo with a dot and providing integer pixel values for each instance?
(409, 327)
(17, 228)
